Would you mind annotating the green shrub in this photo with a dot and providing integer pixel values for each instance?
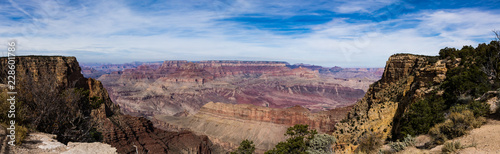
(246, 147)
(433, 59)
(95, 135)
(408, 141)
(320, 144)
(452, 147)
(297, 143)
(422, 116)
(370, 143)
(480, 109)
(95, 102)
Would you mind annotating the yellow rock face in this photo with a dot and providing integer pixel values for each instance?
(406, 79)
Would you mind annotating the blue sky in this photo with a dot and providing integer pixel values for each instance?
(356, 33)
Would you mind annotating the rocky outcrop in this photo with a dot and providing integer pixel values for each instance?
(228, 124)
(46, 144)
(406, 79)
(121, 131)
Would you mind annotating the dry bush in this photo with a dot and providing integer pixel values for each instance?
(408, 141)
(457, 124)
(370, 143)
(21, 133)
(452, 147)
(51, 108)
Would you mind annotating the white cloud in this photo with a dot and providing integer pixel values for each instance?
(96, 32)
(362, 6)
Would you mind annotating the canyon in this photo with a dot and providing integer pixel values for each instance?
(178, 86)
(255, 100)
(229, 124)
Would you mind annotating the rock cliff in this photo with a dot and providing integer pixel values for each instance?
(229, 124)
(406, 79)
(121, 131)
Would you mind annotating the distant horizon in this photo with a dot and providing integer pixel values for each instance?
(161, 61)
(104, 63)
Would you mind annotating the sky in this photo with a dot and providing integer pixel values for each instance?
(355, 33)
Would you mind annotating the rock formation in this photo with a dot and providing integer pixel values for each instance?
(229, 124)
(121, 131)
(178, 86)
(405, 80)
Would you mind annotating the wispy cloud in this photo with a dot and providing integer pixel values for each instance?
(357, 33)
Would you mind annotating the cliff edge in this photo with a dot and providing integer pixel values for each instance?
(406, 79)
(98, 112)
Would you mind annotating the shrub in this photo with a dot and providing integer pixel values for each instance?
(433, 59)
(408, 141)
(246, 147)
(95, 102)
(95, 135)
(452, 147)
(321, 143)
(458, 124)
(479, 109)
(422, 116)
(21, 132)
(299, 135)
(370, 143)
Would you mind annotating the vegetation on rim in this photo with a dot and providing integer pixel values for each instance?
(457, 109)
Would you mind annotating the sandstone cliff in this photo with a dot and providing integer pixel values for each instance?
(121, 131)
(229, 124)
(406, 79)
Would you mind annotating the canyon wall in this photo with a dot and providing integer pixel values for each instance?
(229, 124)
(406, 79)
(178, 86)
(121, 131)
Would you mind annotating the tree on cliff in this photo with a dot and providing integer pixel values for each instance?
(491, 65)
(298, 141)
(476, 75)
(246, 147)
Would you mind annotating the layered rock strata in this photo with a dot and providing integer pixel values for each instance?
(178, 86)
(228, 124)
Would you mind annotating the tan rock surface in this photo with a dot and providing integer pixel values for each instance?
(406, 78)
(42, 143)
